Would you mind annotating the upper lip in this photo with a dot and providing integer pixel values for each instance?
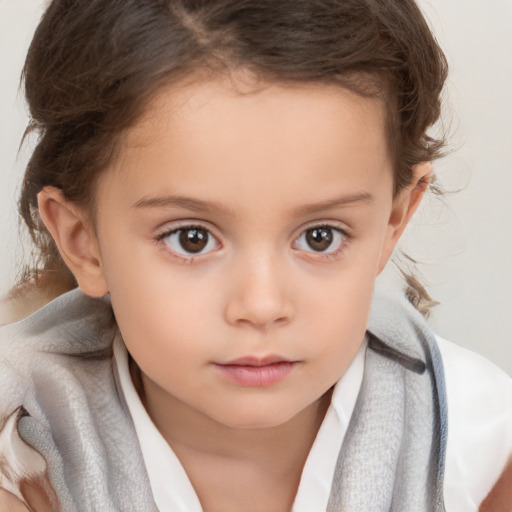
(256, 361)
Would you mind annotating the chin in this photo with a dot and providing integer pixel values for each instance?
(253, 423)
(255, 417)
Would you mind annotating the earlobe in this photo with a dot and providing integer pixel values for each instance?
(405, 205)
(75, 240)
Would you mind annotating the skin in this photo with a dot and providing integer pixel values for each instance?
(500, 497)
(9, 503)
(33, 494)
(256, 165)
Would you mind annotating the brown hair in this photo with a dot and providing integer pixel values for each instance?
(93, 66)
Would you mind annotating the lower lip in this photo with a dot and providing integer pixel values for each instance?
(256, 376)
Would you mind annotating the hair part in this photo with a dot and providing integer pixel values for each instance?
(94, 66)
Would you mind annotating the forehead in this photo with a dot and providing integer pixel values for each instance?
(248, 136)
(241, 95)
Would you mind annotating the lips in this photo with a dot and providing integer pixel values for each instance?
(257, 361)
(256, 372)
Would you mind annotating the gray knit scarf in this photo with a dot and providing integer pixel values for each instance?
(60, 395)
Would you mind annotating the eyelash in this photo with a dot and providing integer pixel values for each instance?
(344, 241)
(160, 239)
(327, 255)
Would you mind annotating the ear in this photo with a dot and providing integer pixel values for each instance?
(405, 205)
(75, 239)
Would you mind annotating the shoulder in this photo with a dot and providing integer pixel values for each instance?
(479, 398)
(72, 324)
(25, 299)
(63, 337)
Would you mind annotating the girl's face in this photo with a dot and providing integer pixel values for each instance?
(240, 235)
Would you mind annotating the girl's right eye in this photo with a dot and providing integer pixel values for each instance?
(190, 241)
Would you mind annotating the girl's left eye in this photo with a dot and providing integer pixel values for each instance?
(190, 241)
(321, 239)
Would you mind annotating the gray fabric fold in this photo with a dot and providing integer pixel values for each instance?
(393, 454)
(57, 364)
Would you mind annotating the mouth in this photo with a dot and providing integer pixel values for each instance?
(256, 372)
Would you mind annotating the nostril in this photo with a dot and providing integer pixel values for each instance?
(263, 324)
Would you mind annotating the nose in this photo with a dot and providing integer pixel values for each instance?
(259, 295)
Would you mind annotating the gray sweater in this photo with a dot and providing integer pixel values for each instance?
(59, 394)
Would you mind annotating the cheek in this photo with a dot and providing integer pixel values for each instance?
(162, 313)
(167, 340)
(336, 316)
(337, 310)
(143, 279)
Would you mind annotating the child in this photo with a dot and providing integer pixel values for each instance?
(218, 184)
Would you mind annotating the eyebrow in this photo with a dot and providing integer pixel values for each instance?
(200, 206)
(187, 203)
(338, 202)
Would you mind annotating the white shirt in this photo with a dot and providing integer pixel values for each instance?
(479, 442)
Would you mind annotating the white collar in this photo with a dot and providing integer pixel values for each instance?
(171, 487)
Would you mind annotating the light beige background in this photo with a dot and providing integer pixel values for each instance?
(465, 243)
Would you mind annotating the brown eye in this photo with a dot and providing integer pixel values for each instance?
(190, 241)
(193, 240)
(321, 239)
